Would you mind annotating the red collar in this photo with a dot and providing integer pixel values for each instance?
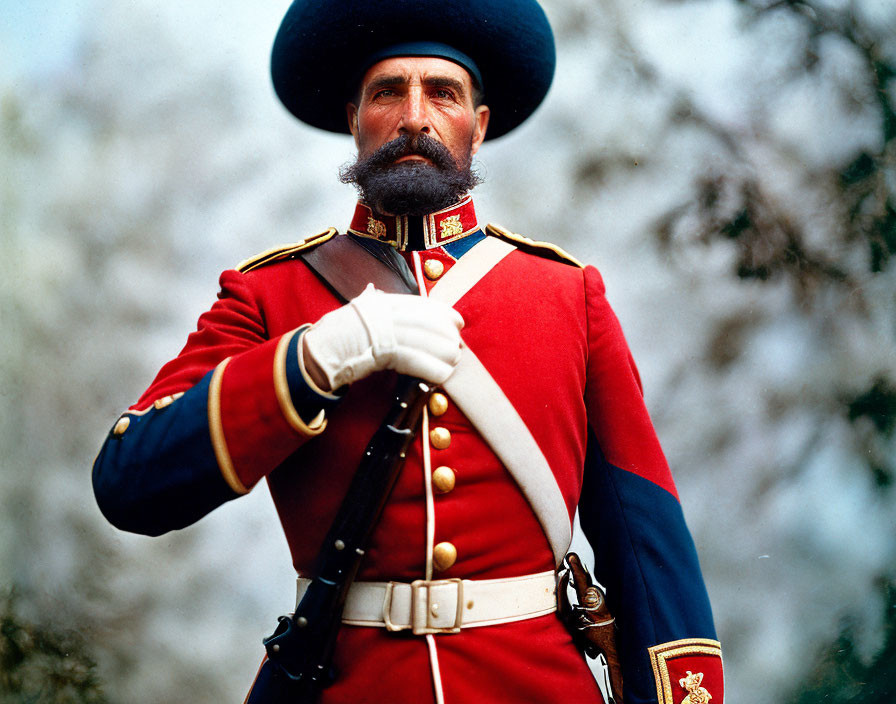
(439, 228)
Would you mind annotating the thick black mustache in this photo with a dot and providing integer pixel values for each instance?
(404, 145)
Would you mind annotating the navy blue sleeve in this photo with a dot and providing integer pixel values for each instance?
(157, 470)
(646, 559)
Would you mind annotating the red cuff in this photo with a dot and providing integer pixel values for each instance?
(688, 671)
(253, 423)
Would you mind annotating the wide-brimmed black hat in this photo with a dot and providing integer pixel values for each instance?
(324, 46)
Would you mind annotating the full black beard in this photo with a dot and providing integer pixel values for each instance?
(411, 187)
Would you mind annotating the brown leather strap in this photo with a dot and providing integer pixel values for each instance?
(348, 265)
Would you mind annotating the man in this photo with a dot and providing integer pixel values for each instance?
(539, 408)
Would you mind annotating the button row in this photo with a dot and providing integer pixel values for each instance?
(444, 554)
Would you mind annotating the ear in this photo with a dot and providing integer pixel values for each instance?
(351, 113)
(480, 126)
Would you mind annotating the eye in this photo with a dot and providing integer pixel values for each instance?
(443, 94)
(383, 93)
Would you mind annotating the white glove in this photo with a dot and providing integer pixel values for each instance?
(413, 335)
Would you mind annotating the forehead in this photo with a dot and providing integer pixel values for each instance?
(417, 69)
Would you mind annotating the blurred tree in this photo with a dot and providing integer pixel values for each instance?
(831, 237)
(94, 168)
(826, 244)
(41, 664)
(842, 676)
(133, 172)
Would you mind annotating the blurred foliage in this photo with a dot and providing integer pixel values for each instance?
(43, 664)
(735, 205)
(827, 239)
(873, 412)
(868, 189)
(878, 404)
(842, 676)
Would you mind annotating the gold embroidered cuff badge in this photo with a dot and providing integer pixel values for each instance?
(688, 671)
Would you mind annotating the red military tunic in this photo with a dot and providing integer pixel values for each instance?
(548, 378)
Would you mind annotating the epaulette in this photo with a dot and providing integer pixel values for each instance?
(285, 251)
(540, 249)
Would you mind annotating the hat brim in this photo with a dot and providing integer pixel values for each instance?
(322, 46)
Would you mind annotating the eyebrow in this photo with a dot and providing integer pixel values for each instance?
(400, 80)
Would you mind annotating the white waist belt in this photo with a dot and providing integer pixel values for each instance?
(446, 605)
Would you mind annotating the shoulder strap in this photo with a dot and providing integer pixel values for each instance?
(541, 249)
(348, 265)
(285, 251)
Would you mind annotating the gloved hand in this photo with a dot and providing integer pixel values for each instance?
(413, 335)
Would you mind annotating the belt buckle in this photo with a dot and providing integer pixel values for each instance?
(421, 623)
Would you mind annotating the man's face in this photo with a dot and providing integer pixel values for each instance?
(416, 129)
(412, 95)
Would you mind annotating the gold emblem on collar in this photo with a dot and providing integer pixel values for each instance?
(451, 227)
(377, 228)
(696, 693)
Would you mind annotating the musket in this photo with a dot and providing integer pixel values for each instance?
(301, 648)
(300, 651)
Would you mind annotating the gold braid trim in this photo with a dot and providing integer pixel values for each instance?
(281, 389)
(216, 430)
(285, 251)
(541, 249)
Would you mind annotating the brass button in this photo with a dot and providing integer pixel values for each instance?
(443, 480)
(121, 425)
(443, 556)
(438, 404)
(440, 438)
(162, 402)
(433, 268)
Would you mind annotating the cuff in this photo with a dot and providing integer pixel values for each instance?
(688, 671)
(299, 396)
(262, 408)
(158, 470)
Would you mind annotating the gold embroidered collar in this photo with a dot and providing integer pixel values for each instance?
(405, 231)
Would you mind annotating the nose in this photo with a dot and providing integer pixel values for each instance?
(415, 117)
